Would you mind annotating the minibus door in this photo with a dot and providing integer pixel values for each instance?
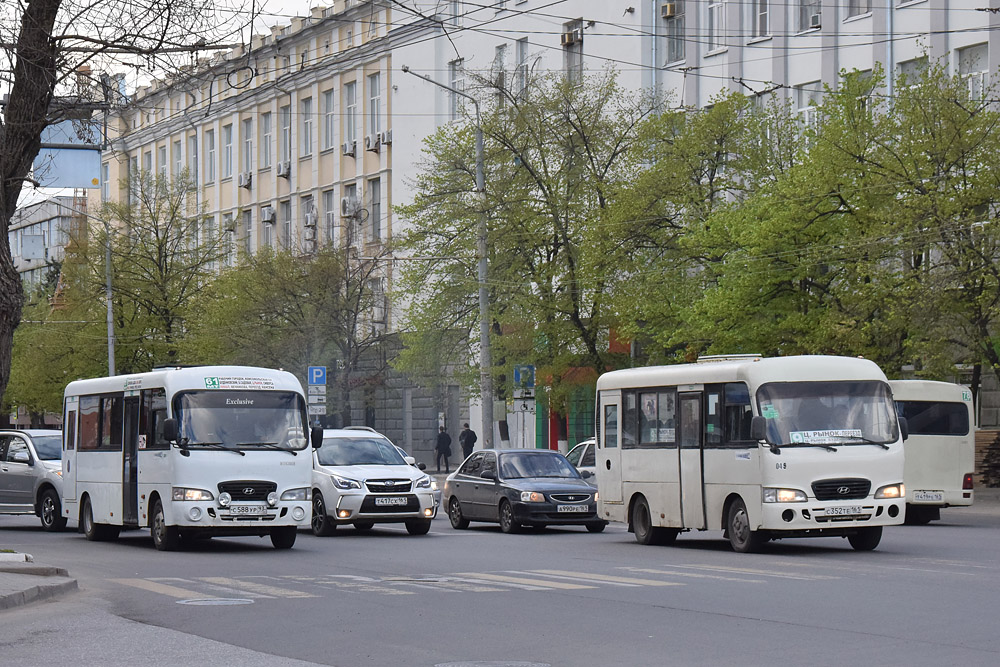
(69, 451)
(691, 453)
(130, 461)
(608, 459)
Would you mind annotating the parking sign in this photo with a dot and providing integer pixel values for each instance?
(317, 375)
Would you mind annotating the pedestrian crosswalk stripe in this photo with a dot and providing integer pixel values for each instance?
(606, 578)
(523, 582)
(693, 575)
(253, 587)
(162, 589)
(351, 583)
(763, 573)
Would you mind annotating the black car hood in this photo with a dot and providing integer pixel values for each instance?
(555, 484)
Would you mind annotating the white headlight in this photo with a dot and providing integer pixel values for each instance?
(225, 498)
(272, 498)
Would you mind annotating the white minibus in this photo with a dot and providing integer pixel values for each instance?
(760, 448)
(189, 452)
(941, 449)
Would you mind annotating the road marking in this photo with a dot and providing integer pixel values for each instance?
(523, 582)
(606, 578)
(694, 575)
(456, 585)
(763, 573)
(253, 587)
(352, 583)
(162, 589)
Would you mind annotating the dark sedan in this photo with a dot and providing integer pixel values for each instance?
(520, 487)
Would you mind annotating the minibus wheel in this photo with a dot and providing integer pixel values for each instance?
(741, 537)
(165, 538)
(866, 539)
(643, 528)
(283, 537)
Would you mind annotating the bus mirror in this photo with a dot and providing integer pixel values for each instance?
(758, 428)
(904, 428)
(170, 430)
(316, 436)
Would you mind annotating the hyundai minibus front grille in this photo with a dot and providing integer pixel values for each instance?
(841, 489)
(244, 490)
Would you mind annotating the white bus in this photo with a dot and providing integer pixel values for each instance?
(941, 449)
(189, 453)
(759, 448)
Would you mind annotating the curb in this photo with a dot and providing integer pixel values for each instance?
(36, 593)
(24, 566)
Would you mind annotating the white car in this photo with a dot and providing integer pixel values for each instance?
(360, 478)
(582, 458)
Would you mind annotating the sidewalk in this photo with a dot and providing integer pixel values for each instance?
(22, 581)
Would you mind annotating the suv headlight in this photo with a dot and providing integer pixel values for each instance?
(891, 491)
(424, 482)
(532, 497)
(302, 493)
(184, 493)
(784, 496)
(344, 482)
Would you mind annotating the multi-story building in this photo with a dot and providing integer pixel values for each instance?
(39, 233)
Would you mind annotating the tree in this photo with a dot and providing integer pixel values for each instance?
(45, 42)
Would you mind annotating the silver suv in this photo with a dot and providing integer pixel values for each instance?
(31, 475)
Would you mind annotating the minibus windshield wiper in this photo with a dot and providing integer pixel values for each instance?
(866, 441)
(827, 446)
(269, 445)
(213, 445)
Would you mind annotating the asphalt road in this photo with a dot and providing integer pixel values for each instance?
(561, 597)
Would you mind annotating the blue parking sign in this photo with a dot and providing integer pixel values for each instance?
(317, 375)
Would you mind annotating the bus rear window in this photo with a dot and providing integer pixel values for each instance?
(934, 417)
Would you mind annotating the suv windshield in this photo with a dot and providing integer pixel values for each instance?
(48, 447)
(518, 465)
(828, 413)
(358, 452)
(241, 419)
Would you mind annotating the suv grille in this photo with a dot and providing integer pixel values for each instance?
(389, 485)
(841, 489)
(248, 489)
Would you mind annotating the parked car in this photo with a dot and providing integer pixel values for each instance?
(31, 475)
(520, 487)
(361, 478)
(582, 458)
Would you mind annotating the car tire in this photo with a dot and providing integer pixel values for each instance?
(283, 537)
(50, 511)
(458, 522)
(322, 524)
(364, 526)
(165, 538)
(596, 527)
(644, 530)
(418, 526)
(742, 539)
(95, 532)
(866, 539)
(507, 522)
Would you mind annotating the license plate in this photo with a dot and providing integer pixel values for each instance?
(844, 511)
(393, 501)
(246, 509)
(934, 496)
(573, 508)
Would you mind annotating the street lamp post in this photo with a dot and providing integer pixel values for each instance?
(485, 357)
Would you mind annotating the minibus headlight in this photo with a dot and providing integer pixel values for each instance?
(891, 491)
(296, 494)
(184, 493)
(344, 482)
(532, 497)
(424, 482)
(784, 496)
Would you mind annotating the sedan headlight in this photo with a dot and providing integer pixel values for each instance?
(784, 496)
(891, 491)
(424, 482)
(302, 493)
(532, 497)
(184, 493)
(344, 482)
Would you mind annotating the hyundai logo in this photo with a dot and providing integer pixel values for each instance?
(843, 490)
(248, 491)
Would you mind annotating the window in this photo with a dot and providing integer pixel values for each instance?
(910, 71)
(522, 64)
(858, 7)
(374, 104)
(973, 66)
(306, 107)
(227, 151)
(628, 420)
(457, 80)
(285, 133)
(105, 177)
(657, 416)
(499, 68)
(193, 156)
(70, 440)
(675, 34)
(716, 25)
(267, 234)
(329, 120)
(330, 212)
(178, 158)
(809, 14)
(209, 156)
(247, 144)
(932, 418)
(265, 140)
(807, 99)
(737, 412)
(151, 415)
(101, 422)
(161, 161)
(573, 49)
(760, 19)
(375, 188)
(286, 224)
(350, 112)
(229, 228)
(147, 161)
(246, 231)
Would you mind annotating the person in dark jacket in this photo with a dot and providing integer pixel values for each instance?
(467, 438)
(443, 450)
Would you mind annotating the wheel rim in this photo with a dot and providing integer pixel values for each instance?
(159, 525)
(319, 513)
(454, 512)
(505, 516)
(740, 525)
(48, 510)
(88, 519)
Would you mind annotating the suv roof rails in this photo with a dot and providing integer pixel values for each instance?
(360, 428)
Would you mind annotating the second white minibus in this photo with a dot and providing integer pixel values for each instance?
(760, 448)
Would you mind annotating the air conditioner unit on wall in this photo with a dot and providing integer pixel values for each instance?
(348, 148)
(385, 136)
(310, 220)
(348, 206)
(285, 169)
(668, 10)
(570, 37)
(310, 233)
(246, 180)
(267, 215)
(815, 21)
(372, 143)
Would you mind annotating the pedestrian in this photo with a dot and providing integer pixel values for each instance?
(467, 438)
(442, 450)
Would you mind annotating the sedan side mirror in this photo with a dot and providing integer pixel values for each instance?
(410, 461)
(489, 474)
(421, 466)
(586, 474)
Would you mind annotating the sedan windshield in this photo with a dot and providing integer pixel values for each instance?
(828, 413)
(358, 452)
(241, 419)
(535, 464)
(48, 447)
